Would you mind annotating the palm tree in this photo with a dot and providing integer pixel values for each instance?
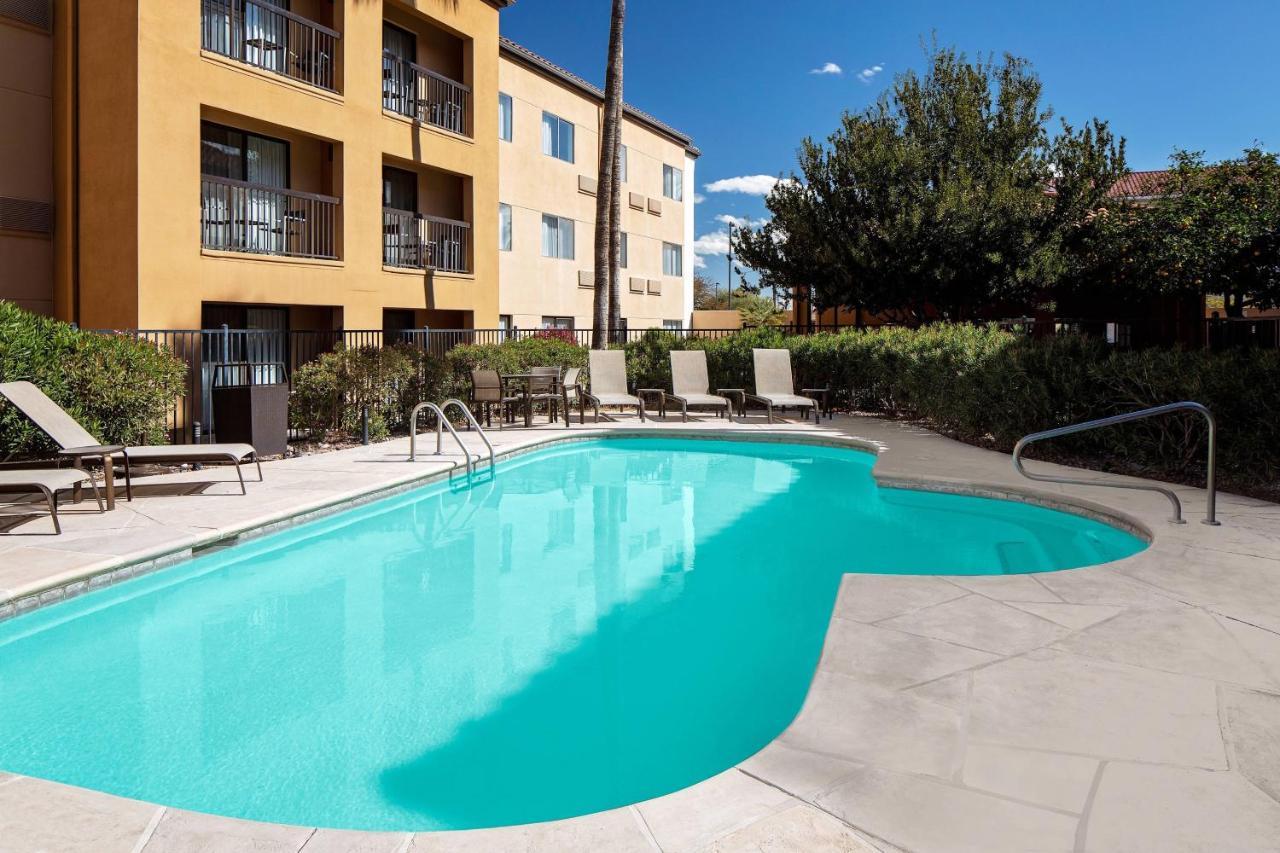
(608, 254)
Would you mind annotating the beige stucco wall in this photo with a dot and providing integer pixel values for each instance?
(533, 183)
(26, 160)
(144, 265)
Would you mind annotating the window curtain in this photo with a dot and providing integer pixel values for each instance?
(548, 134)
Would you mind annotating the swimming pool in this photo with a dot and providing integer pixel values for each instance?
(602, 622)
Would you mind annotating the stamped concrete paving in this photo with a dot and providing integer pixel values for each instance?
(1131, 706)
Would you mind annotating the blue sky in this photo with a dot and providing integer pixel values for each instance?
(736, 74)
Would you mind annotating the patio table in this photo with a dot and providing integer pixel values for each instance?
(526, 380)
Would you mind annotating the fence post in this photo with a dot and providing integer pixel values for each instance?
(364, 424)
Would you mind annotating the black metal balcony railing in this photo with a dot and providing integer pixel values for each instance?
(431, 98)
(269, 37)
(425, 242)
(237, 216)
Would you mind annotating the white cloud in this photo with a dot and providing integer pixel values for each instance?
(828, 68)
(699, 198)
(867, 74)
(747, 184)
(699, 263)
(715, 243)
(741, 221)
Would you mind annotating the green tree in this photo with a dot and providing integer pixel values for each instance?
(937, 196)
(1211, 230)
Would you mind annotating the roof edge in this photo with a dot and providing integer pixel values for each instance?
(536, 61)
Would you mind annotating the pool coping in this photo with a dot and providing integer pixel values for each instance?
(63, 586)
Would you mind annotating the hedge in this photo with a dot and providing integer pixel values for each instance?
(989, 387)
(120, 388)
(331, 392)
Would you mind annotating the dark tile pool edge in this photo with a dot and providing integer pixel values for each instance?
(69, 585)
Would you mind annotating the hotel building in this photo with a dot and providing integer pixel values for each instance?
(315, 164)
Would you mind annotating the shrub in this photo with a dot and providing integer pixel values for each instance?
(565, 335)
(986, 386)
(120, 388)
(330, 393)
(511, 357)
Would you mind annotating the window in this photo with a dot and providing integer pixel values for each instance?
(557, 323)
(622, 165)
(557, 137)
(672, 182)
(504, 116)
(229, 153)
(399, 189)
(557, 237)
(504, 227)
(672, 325)
(672, 259)
(623, 248)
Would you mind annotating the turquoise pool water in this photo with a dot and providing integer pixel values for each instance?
(600, 623)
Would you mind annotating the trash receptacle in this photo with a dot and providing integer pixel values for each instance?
(251, 405)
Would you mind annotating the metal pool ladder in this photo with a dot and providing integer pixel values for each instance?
(1187, 406)
(442, 423)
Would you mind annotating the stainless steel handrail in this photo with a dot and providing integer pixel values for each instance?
(441, 422)
(471, 419)
(1210, 516)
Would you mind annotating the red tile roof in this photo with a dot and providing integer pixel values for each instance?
(1139, 185)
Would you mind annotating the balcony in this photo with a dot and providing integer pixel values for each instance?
(238, 216)
(274, 39)
(422, 94)
(422, 241)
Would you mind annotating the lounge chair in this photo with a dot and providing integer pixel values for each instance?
(690, 385)
(70, 436)
(775, 384)
(48, 481)
(608, 369)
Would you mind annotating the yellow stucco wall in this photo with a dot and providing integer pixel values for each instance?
(534, 183)
(26, 161)
(145, 84)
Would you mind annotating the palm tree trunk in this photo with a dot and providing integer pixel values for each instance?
(606, 248)
(615, 231)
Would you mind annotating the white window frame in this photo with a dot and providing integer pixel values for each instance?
(554, 143)
(670, 252)
(550, 322)
(672, 183)
(505, 227)
(506, 117)
(557, 246)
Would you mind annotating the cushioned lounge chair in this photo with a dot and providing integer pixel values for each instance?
(608, 368)
(690, 385)
(70, 436)
(48, 481)
(775, 384)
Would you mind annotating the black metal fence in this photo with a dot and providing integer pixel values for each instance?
(270, 356)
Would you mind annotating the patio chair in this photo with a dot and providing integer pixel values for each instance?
(775, 384)
(71, 437)
(48, 481)
(545, 388)
(486, 392)
(690, 385)
(608, 369)
(571, 392)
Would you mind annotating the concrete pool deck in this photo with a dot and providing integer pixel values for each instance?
(1129, 706)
